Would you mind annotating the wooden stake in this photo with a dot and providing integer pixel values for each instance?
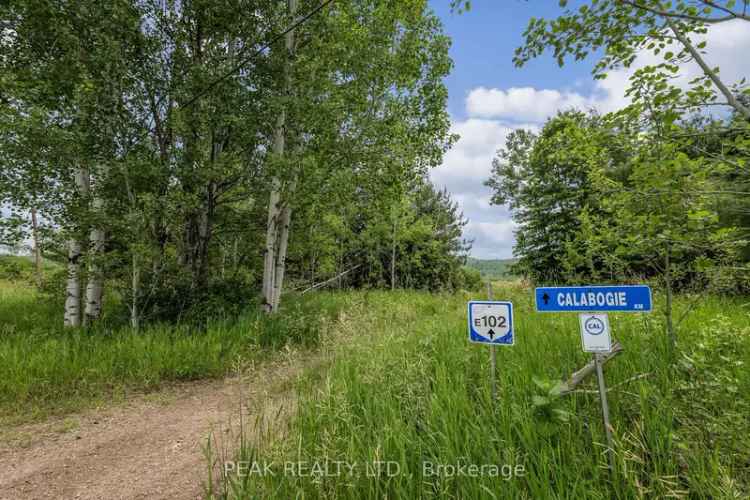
(579, 376)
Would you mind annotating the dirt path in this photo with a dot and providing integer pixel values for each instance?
(152, 447)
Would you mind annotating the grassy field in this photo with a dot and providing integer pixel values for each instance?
(408, 402)
(46, 370)
(403, 410)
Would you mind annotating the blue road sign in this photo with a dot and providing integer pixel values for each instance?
(628, 298)
(491, 322)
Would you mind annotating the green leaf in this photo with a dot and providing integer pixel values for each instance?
(540, 401)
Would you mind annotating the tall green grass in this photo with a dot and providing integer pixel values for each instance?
(46, 369)
(411, 390)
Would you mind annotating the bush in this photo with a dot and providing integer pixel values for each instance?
(176, 300)
(296, 326)
(52, 290)
(11, 269)
(469, 279)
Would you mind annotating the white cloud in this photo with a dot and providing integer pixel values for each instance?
(522, 103)
(469, 162)
(463, 172)
(725, 45)
(494, 113)
(492, 239)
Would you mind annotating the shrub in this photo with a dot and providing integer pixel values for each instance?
(176, 299)
(469, 279)
(11, 269)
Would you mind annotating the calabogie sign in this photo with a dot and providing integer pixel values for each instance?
(625, 298)
(592, 303)
(491, 322)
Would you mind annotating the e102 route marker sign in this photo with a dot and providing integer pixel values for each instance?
(595, 332)
(624, 298)
(491, 322)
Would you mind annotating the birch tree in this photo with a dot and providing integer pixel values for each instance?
(72, 317)
(279, 210)
(95, 284)
(366, 85)
(178, 141)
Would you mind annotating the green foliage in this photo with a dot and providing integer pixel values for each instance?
(492, 268)
(548, 180)
(11, 269)
(471, 279)
(549, 405)
(596, 201)
(710, 388)
(618, 32)
(408, 236)
(52, 292)
(21, 269)
(677, 202)
(167, 115)
(177, 301)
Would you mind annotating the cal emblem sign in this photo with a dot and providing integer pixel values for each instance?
(630, 298)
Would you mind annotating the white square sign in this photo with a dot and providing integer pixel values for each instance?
(491, 322)
(595, 332)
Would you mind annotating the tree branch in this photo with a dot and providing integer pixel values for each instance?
(676, 15)
(577, 377)
(731, 99)
(332, 279)
(732, 13)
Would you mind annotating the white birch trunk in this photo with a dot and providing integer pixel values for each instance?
(73, 287)
(136, 285)
(72, 317)
(271, 235)
(278, 282)
(95, 286)
(274, 209)
(37, 248)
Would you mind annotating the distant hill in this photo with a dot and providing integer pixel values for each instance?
(492, 268)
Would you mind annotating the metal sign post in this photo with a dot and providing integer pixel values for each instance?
(491, 322)
(595, 338)
(493, 354)
(605, 409)
(592, 302)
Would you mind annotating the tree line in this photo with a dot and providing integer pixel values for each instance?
(658, 190)
(209, 152)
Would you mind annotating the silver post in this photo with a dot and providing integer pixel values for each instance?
(605, 409)
(493, 347)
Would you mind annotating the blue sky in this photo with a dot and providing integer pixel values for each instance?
(484, 40)
(490, 97)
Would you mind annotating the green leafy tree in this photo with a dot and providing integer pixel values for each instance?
(547, 180)
(148, 137)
